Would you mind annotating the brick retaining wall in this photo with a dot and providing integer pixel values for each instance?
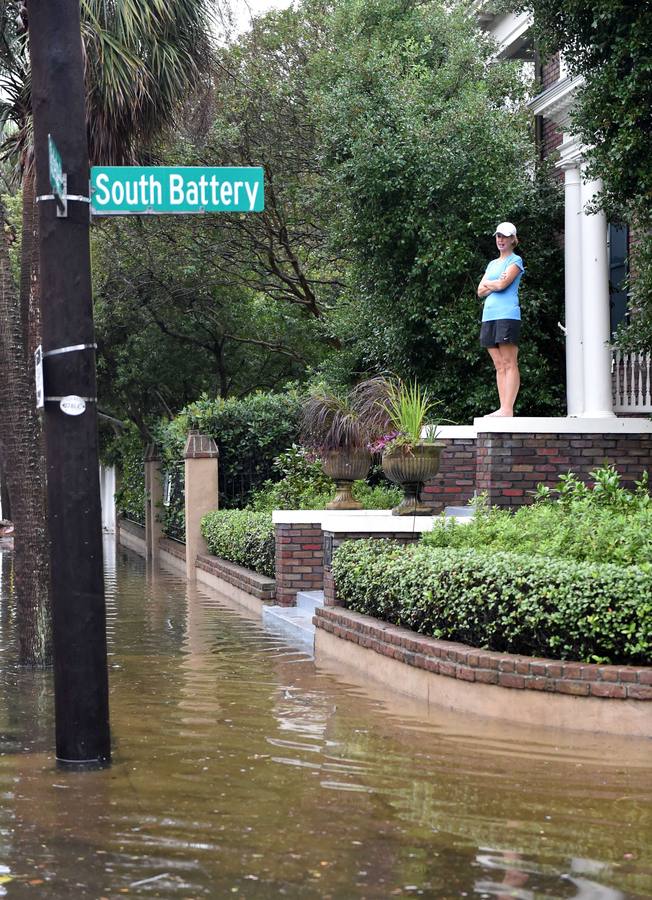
(484, 666)
(299, 560)
(260, 586)
(174, 548)
(510, 465)
(455, 483)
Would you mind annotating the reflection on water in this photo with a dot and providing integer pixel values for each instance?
(243, 768)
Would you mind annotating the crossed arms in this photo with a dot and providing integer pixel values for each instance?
(488, 286)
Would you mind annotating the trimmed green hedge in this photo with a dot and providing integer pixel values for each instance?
(241, 536)
(511, 603)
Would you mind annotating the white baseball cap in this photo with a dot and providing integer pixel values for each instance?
(507, 229)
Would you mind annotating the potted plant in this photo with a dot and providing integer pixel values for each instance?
(334, 429)
(410, 451)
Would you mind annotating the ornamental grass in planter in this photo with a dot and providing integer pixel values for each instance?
(334, 429)
(411, 451)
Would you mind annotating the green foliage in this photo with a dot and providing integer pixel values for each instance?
(636, 332)
(428, 146)
(300, 483)
(605, 523)
(303, 485)
(408, 408)
(242, 536)
(608, 43)
(379, 496)
(249, 432)
(507, 602)
(127, 452)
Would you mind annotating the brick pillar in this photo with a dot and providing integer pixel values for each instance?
(201, 462)
(299, 560)
(153, 498)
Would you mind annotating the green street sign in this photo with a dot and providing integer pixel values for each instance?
(143, 190)
(56, 169)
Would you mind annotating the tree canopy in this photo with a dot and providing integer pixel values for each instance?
(427, 146)
(608, 43)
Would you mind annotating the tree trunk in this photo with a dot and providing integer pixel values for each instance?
(5, 503)
(30, 308)
(25, 477)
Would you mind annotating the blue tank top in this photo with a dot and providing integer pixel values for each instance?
(503, 304)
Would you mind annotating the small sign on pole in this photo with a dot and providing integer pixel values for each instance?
(58, 178)
(38, 377)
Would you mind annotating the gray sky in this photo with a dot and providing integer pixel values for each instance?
(244, 9)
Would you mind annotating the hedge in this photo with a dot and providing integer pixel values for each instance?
(560, 609)
(250, 432)
(241, 536)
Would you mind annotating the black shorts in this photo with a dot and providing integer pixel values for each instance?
(500, 331)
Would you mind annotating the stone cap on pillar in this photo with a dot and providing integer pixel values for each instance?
(152, 453)
(200, 446)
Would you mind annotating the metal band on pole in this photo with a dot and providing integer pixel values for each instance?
(71, 349)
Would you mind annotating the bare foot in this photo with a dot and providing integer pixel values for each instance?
(496, 412)
(509, 414)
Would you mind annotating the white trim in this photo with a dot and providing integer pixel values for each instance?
(382, 521)
(307, 516)
(511, 32)
(557, 101)
(536, 425)
(456, 432)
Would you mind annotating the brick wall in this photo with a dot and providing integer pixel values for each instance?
(299, 560)
(455, 483)
(260, 586)
(549, 136)
(550, 72)
(511, 465)
(485, 666)
(174, 548)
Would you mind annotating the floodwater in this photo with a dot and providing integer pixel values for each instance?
(244, 769)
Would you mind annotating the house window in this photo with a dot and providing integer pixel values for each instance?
(618, 241)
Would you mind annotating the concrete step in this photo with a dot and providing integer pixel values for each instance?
(294, 623)
(308, 600)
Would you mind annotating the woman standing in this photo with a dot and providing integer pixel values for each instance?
(501, 316)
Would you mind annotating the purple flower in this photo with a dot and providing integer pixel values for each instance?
(379, 445)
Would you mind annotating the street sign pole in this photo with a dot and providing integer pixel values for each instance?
(70, 409)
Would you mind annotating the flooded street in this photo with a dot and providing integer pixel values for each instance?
(243, 768)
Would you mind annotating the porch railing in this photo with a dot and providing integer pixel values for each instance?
(630, 372)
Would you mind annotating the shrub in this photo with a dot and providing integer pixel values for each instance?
(379, 496)
(250, 432)
(303, 485)
(604, 524)
(128, 452)
(241, 536)
(502, 601)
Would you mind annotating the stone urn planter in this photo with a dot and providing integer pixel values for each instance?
(410, 467)
(345, 467)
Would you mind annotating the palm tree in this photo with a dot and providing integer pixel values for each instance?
(142, 59)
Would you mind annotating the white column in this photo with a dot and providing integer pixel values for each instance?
(595, 308)
(573, 290)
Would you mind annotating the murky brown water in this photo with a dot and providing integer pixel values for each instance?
(242, 768)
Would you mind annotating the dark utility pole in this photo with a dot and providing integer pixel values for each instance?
(74, 514)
